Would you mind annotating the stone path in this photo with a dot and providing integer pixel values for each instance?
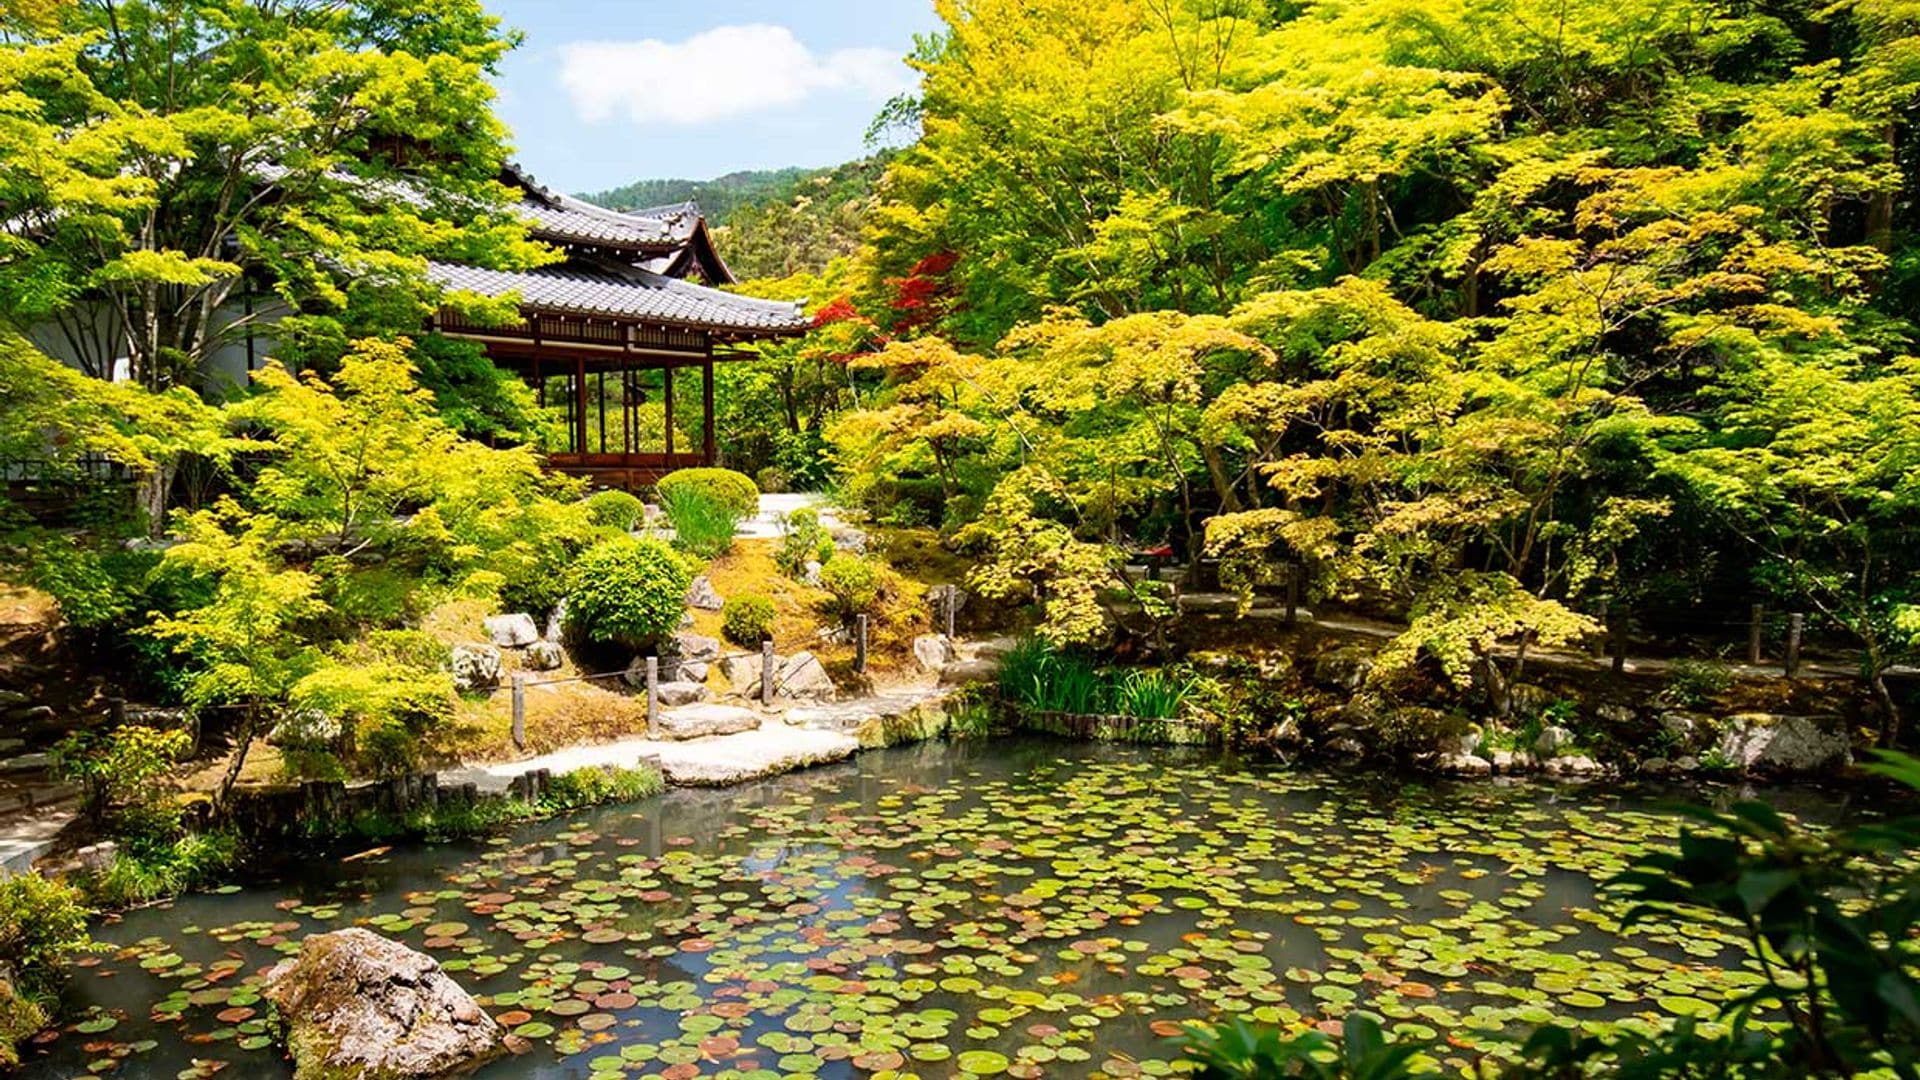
(713, 761)
(27, 837)
(766, 524)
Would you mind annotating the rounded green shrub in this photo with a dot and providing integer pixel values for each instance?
(616, 509)
(736, 490)
(747, 619)
(628, 591)
(853, 582)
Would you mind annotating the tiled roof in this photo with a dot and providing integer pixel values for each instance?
(625, 293)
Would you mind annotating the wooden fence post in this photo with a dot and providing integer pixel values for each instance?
(1605, 618)
(653, 697)
(767, 673)
(860, 644)
(1796, 626)
(1754, 630)
(953, 609)
(519, 711)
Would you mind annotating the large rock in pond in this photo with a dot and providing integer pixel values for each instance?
(1763, 742)
(700, 721)
(355, 1004)
(512, 631)
(475, 668)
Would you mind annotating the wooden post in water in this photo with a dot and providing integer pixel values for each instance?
(860, 644)
(519, 711)
(1796, 626)
(1293, 593)
(767, 673)
(653, 697)
(1755, 627)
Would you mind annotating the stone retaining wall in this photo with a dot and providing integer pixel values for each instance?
(289, 811)
(1109, 728)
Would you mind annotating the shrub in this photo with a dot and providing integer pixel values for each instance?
(41, 921)
(119, 774)
(703, 523)
(736, 490)
(628, 591)
(615, 509)
(853, 582)
(772, 480)
(1153, 695)
(747, 619)
(1692, 683)
(802, 539)
(140, 875)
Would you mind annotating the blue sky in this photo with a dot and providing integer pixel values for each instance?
(607, 91)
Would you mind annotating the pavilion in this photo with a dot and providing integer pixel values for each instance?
(623, 335)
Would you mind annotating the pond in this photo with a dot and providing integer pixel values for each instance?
(1020, 908)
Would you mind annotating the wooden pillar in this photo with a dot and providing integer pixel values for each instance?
(706, 404)
(666, 376)
(600, 404)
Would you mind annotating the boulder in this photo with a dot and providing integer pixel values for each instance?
(848, 538)
(701, 594)
(1465, 765)
(1763, 742)
(1682, 728)
(967, 672)
(1552, 739)
(306, 729)
(743, 673)
(1615, 716)
(31, 715)
(1345, 668)
(1686, 764)
(1658, 766)
(543, 656)
(700, 721)
(810, 574)
(1575, 765)
(512, 631)
(697, 648)
(475, 668)
(353, 1003)
(683, 672)
(26, 763)
(681, 693)
(1511, 762)
(10, 698)
(557, 622)
(802, 678)
(933, 651)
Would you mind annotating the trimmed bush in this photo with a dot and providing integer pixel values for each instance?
(628, 591)
(735, 490)
(703, 523)
(802, 538)
(747, 619)
(616, 509)
(853, 582)
(41, 921)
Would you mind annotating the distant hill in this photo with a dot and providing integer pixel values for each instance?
(771, 222)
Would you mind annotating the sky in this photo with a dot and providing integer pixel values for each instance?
(604, 92)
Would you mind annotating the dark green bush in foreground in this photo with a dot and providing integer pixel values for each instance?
(1831, 917)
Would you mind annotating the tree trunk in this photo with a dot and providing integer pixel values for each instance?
(1223, 485)
(151, 493)
(242, 743)
(1498, 699)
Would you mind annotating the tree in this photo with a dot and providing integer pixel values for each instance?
(247, 637)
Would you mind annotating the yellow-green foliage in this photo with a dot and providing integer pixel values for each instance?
(748, 618)
(42, 921)
(615, 509)
(854, 583)
(736, 490)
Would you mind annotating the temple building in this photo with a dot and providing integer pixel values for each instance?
(621, 337)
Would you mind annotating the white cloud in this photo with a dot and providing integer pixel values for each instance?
(723, 72)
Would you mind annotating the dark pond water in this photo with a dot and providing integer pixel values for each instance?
(1020, 908)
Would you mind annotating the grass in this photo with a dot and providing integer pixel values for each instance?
(1038, 676)
(703, 524)
(141, 874)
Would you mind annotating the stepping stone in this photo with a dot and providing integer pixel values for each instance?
(700, 721)
(737, 759)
